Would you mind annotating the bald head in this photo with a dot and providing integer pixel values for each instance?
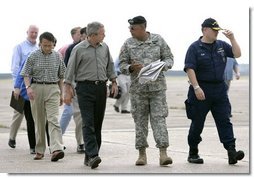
(32, 33)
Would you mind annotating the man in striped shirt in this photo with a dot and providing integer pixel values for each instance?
(43, 75)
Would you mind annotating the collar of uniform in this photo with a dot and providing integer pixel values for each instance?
(202, 43)
(149, 40)
(207, 45)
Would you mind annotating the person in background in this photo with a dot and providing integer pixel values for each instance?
(20, 91)
(205, 63)
(73, 108)
(20, 54)
(231, 66)
(75, 35)
(147, 100)
(91, 65)
(46, 68)
(83, 37)
(124, 82)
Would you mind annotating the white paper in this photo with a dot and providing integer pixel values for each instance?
(150, 72)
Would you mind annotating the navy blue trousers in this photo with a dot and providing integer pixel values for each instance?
(218, 103)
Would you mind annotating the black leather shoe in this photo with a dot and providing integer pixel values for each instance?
(195, 159)
(12, 143)
(234, 156)
(94, 162)
(125, 112)
(80, 149)
(116, 108)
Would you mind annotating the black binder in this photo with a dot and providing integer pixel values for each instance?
(18, 105)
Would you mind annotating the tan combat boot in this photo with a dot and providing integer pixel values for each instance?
(142, 160)
(164, 158)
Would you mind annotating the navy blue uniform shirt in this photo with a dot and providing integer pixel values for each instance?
(208, 60)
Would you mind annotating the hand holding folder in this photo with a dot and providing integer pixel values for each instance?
(151, 71)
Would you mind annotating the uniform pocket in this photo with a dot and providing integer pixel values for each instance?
(190, 109)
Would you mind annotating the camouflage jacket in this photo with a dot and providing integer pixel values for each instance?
(153, 49)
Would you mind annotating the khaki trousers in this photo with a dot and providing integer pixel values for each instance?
(15, 124)
(45, 107)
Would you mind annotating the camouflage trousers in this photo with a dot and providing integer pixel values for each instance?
(151, 105)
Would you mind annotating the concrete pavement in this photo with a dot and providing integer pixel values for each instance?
(118, 152)
(119, 156)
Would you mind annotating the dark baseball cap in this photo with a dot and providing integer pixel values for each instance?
(137, 20)
(211, 23)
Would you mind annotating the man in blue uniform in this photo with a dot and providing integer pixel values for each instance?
(204, 64)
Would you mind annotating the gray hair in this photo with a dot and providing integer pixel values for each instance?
(93, 28)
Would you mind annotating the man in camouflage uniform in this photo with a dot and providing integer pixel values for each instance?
(147, 100)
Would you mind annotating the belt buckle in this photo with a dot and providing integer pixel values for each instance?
(96, 82)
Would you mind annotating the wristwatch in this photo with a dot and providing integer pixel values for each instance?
(196, 87)
(28, 86)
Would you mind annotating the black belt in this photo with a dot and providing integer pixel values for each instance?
(46, 83)
(212, 82)
(97, 82)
